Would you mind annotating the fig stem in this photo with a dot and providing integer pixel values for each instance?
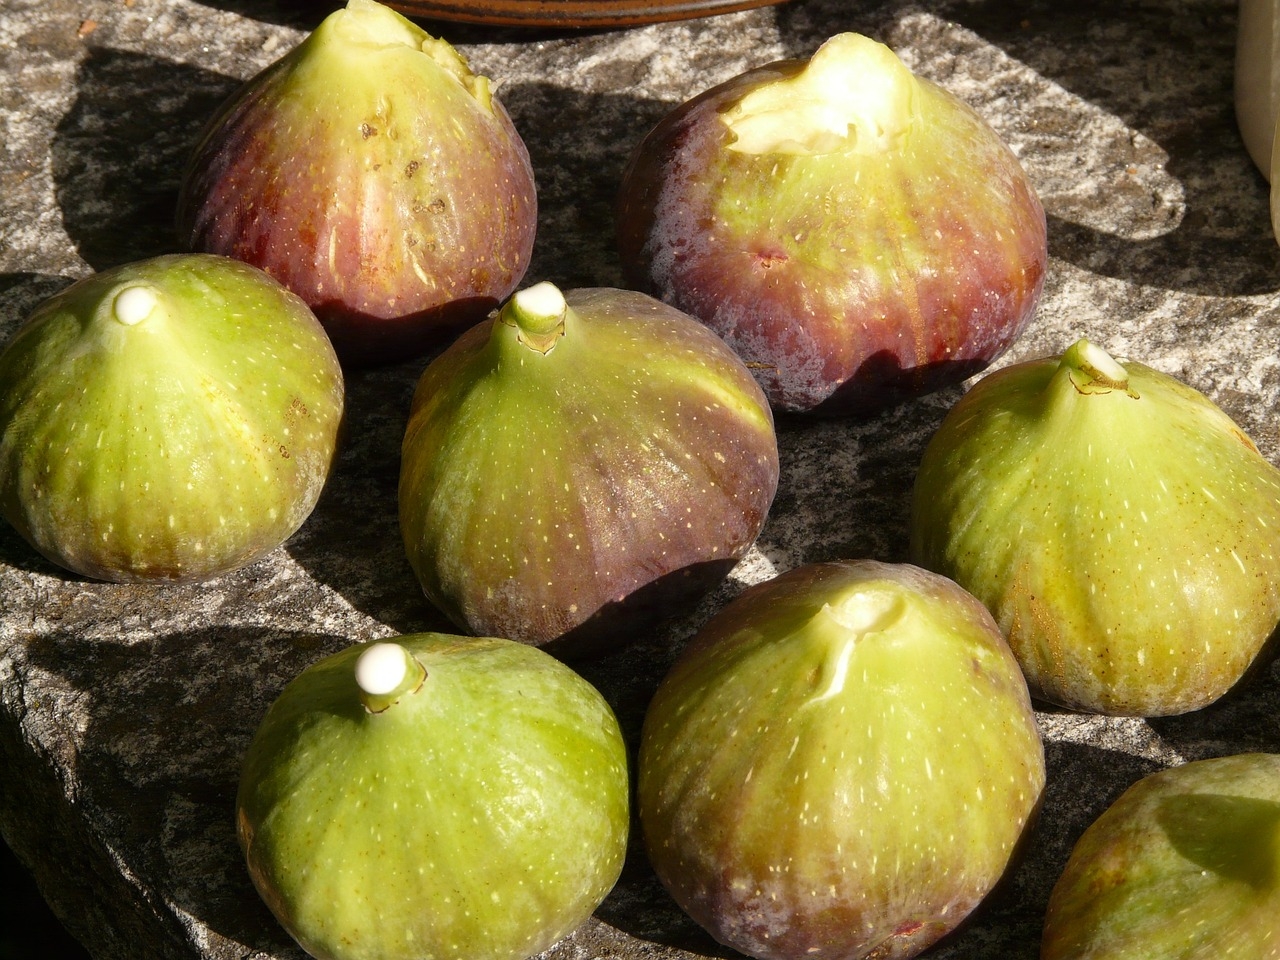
(134, 304)
(840, 626)
(386, 671)
(854, 96)
(1093, 370)
(538, 314)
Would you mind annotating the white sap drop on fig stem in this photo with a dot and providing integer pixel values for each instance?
(134, 304)
(381, 668)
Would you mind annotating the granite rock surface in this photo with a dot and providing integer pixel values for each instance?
(124, 710)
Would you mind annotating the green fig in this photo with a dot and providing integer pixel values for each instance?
(1122, 529)
(377, 176)
(1183, 866)
(434, 796)
(579, 462)
(840, 765)
(171, 419)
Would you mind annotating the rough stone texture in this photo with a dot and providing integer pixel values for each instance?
(124, 710)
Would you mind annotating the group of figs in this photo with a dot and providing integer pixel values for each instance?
(844, 761)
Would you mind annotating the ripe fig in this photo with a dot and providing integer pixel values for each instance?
(858, 234)
(434, 796)
(1181, 867)
(375, 175)
(171, 419)
(840, 765)
(1122, 529)
(580, 462)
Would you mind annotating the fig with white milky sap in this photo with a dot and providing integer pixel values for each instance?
(855, 232)
(579, 463)
(375, 175)
(1123, 530)
(171, 419)
(434, 796)
(840, 765)
(1181, 867)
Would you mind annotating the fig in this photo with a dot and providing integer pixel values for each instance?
(581, 464)
(1181, 867)
(375, 175)
(171, 419)
(858, 234)
(434, 796)
(840, 765)
(1122, 529)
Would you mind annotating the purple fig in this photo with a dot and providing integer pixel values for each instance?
(171, 419)
(855, 232)
(1122, 529)
(1181, 867)
(434, 796)
(578, 460)
(840, 765)
(375, 175)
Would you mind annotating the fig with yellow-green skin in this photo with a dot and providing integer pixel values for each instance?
(841, 764)
(1122, 529)
(456, 798)
(1181, 867)
(172, 419)
(372, 172)
(580, 463)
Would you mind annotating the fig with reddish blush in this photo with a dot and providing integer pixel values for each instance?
(375, 175)
(1122, 529)
(841, 765)
(858, 234)
(1181, 867)
(167, 420)
(581, 465)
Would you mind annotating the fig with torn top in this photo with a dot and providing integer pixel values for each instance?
(581, 464)
(167, 420)
(858, 234)
(840, 765)
(434, 796)
(1122, 529)
(375, 175)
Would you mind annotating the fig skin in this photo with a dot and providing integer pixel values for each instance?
(1122, 529)
(569, 498)
(841, 764)
(172, 419)
(371, 172)
(480, 810)
(850, 270)
(1181, 867)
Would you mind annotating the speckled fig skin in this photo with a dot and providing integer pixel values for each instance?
(841, 764)
(371, 172)
(475, 810)
(567, 498)
(1181, 867)
(848, 279)
(167, 420)
(1122, 529)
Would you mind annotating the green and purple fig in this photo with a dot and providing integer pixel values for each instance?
(1181, 867)
(858, 234)
(375, 175)
(579, 463)
(840, 765)
(166, 420)
(1122, 529)
(434, 796)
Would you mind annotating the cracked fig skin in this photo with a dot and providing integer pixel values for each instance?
(857, 234)
(580, 464)
(171, 419)
(457, 798)
(1122, 529)
(840, 765)
(375, 175)
(1181, 867)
